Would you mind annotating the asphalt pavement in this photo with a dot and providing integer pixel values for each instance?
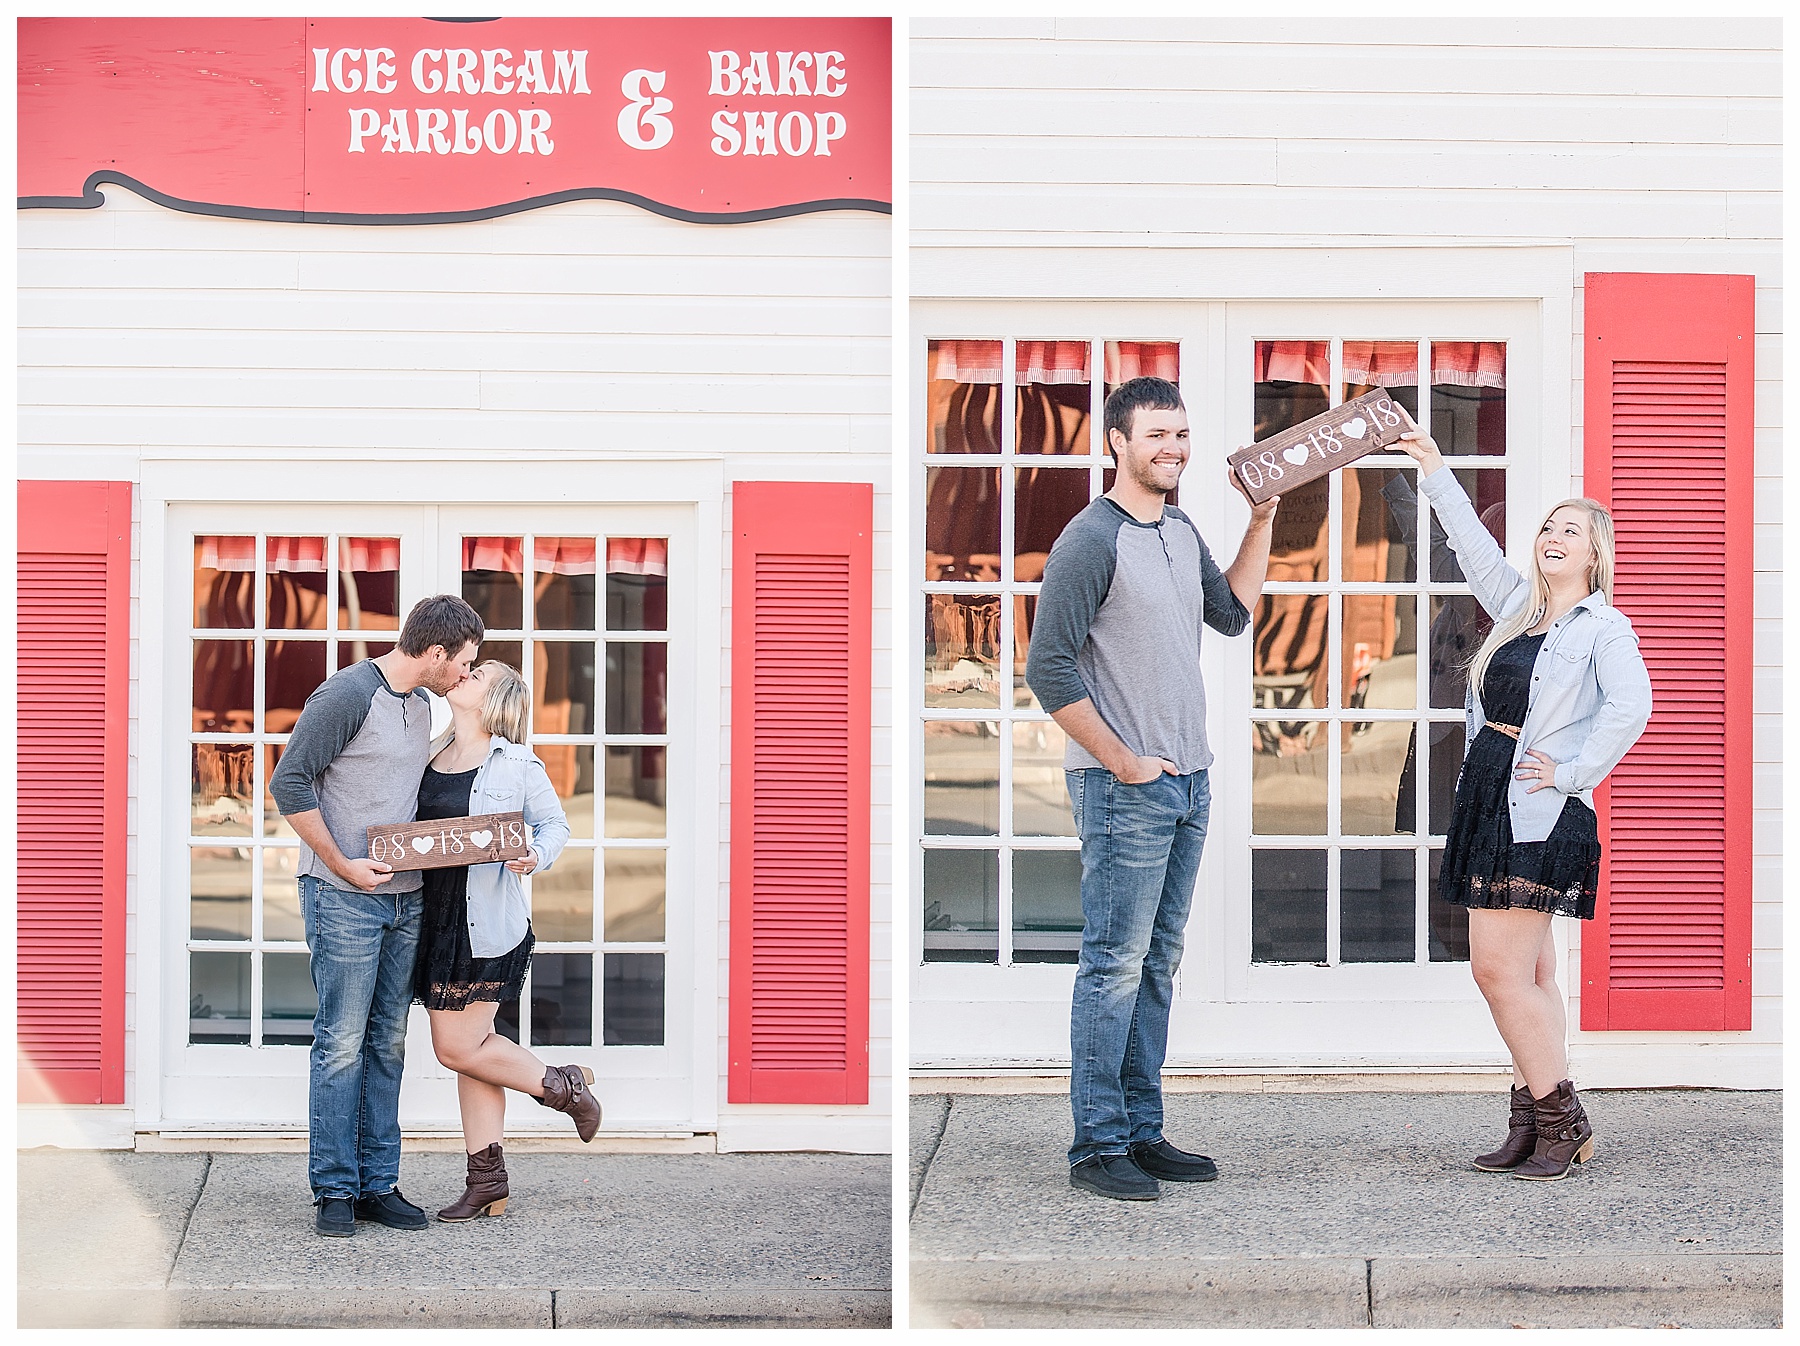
(132, 1239)
(1352, 1210)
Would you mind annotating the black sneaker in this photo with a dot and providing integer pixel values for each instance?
(1114, 1175)
(390, 1209)
(1162, 1160)
(335, 1219)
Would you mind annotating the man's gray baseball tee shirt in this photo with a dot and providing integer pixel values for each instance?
(357, 754)
(1118, 620)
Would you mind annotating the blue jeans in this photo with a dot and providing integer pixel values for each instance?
(363, 946)
(1140, 856)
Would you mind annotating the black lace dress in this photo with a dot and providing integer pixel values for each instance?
(1483, 866)
(446, 976)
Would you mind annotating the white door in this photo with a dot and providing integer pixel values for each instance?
(1344, 714)
(596, 606)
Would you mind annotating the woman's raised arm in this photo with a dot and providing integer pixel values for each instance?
(1493, 581)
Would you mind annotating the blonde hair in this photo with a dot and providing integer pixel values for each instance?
(506, 709)
(1600, 580)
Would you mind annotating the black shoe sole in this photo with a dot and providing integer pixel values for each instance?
(335, 1233)
(1079, 1185)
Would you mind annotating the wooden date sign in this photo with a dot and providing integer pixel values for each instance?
(1314, 447)
(444, 842)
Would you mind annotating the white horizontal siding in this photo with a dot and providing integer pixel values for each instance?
(1100, 159)
(591, 325)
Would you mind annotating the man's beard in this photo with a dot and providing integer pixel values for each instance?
(1140, 475)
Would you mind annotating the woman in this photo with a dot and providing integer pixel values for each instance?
(1557, 694)
(475, 942)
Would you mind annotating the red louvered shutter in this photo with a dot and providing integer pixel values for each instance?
(1670, 386)
(74, 650)
(800, 727)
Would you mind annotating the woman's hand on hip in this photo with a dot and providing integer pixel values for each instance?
(525, 863)
(1536, 767)
(1423, 450)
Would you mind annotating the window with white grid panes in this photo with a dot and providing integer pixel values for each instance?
(1013, 452)
(596, 658)
(272, 615)
(1361, 643)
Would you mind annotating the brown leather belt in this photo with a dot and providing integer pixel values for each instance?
(1510, 730)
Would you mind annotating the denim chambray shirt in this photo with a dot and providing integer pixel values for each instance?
(1590, 691)
(510, 780)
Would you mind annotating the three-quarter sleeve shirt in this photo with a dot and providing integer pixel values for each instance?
(357, 755)
(1119, 620)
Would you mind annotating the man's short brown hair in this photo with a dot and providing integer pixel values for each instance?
(442, 619)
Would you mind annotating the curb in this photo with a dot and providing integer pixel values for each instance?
(257, 1306)
(1589, 1290)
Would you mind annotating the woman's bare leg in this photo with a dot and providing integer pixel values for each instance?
(487, 1064)
(1507, 954)
(483, 1109)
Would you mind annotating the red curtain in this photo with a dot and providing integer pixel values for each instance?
(297, 555)
(1053, 362)
(1465, 364)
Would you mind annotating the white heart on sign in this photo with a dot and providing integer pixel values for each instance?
(1295, 455)
(1356, 428)
(421, 844)
(481, 838)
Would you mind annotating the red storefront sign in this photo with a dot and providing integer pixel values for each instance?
(425, 121)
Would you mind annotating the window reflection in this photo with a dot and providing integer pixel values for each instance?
(1390, 365)
(1379, 903)
(637, 687)
(636, 895)
(633, 1000)
(563, 583)
(281, 916)
(1053, 395)
(570, 767)
(219, 892)
(562, 702)
(962, 906)
(289, 1001)
(1044, 500)
(1468, 396)
(219, 998)
(297, 580)
(562, 899)
(368, 584)
(1046, 906)
(1040, 792)
(1288, 777)
(224, 687)
(292, 671)
(637, 584)
(224, 582)
(962, 410)
(562, 999)
(962, 650)
(636, 792)
(962, 778)
(221, 789)
(962, 523)
(1374, 766)
(1287, 906)
(493, 570)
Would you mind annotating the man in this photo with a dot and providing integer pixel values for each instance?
(355, 760)
(1115, 659)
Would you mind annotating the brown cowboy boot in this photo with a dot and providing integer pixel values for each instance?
(1521, 1136)
(486, 1194)
(1564, 1136)
(566, 1090)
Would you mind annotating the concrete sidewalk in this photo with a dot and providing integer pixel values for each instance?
(1353, 1210)
(117, 1239)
